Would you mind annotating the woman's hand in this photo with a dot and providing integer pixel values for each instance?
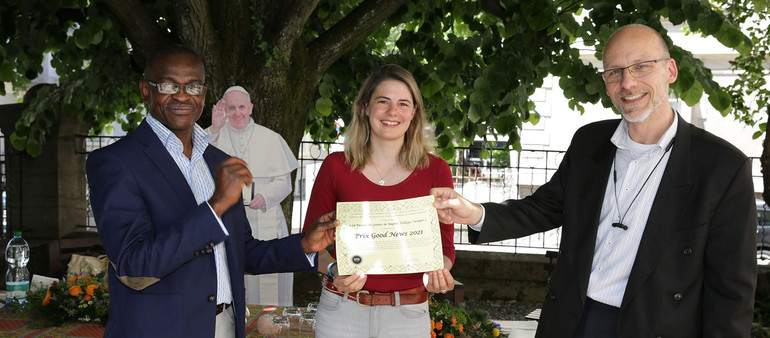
(440, 281)
(350, 283)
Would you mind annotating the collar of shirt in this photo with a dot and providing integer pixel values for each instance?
(624, 142)
(174, 144)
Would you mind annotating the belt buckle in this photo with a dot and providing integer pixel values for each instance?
(358, 299)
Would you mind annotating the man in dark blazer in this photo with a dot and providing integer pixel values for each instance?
(658, 217)
(169, 212)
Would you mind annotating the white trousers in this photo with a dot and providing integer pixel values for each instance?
(341, 317)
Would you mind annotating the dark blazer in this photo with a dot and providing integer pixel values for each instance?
(162, 276)
(695, 271)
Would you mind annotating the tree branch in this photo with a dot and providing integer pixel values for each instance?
(294, 23)
(350, 31)
(139, 26)
(193, 25)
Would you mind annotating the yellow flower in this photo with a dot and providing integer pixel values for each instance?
(495, 332)
(75, 290)
(47, 298)
(91, 288)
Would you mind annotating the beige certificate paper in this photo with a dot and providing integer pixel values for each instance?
(388, 237)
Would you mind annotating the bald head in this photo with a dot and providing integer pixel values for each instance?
(640, 34)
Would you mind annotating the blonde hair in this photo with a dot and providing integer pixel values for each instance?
(417, 142)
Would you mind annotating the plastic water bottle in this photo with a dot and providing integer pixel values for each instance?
(17, 276)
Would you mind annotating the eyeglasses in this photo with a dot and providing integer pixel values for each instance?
(170, 88)
(637, 70)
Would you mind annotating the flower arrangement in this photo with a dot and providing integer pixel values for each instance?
(449, 321)
(77, 298)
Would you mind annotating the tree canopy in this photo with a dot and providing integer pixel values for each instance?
(477, 61)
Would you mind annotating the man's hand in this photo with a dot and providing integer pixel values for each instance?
(218, 116)
(258, 202)
(453, 208)
(231, 176)
(320, 234)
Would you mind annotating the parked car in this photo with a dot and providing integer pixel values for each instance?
(763, 233)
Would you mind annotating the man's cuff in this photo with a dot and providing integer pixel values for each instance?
(477, 226)
(221, 225)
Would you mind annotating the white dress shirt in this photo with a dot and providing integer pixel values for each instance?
(615, 248)
(196, 172)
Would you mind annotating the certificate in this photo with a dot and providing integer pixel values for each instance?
(388, 237)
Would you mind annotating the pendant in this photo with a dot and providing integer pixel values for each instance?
(381, 182)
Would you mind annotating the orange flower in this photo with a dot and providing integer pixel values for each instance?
(71, 281)
(439, 325)
(449, 335)
(432, 334)
(47, 298)
(432, 325)
(87, 297)
(460, 327)
(75, 290)
(90, 289)
(454, 320)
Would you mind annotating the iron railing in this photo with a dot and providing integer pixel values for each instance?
(503, 175)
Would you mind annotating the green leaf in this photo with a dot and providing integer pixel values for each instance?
(539, 14)
(484, 154)
(325, 89)
(711, 22)
(473, 113)
(82, 40)
(693, 95)
(97, 38)
(19, 142)
(324, 106)
(6, 71)
(720, 101)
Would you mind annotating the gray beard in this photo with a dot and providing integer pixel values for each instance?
(644, 115)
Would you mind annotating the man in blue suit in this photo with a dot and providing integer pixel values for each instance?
(169, 214)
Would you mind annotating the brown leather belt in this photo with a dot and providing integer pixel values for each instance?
(222, 307)
(412, 296)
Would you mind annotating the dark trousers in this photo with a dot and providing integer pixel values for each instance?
(599, 321)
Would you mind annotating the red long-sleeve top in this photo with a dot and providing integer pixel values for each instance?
(336, 182)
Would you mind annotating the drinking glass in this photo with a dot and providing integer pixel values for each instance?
(280, 326)
(293, 313)
(307, 324)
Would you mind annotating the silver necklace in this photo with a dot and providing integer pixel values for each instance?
(382, 178)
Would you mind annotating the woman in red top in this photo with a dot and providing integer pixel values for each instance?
(386, 158)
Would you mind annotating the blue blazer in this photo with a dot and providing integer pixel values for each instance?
(162, 276)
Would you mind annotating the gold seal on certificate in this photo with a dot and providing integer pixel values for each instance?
(390, 237)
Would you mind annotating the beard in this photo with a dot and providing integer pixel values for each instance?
(644, 114)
